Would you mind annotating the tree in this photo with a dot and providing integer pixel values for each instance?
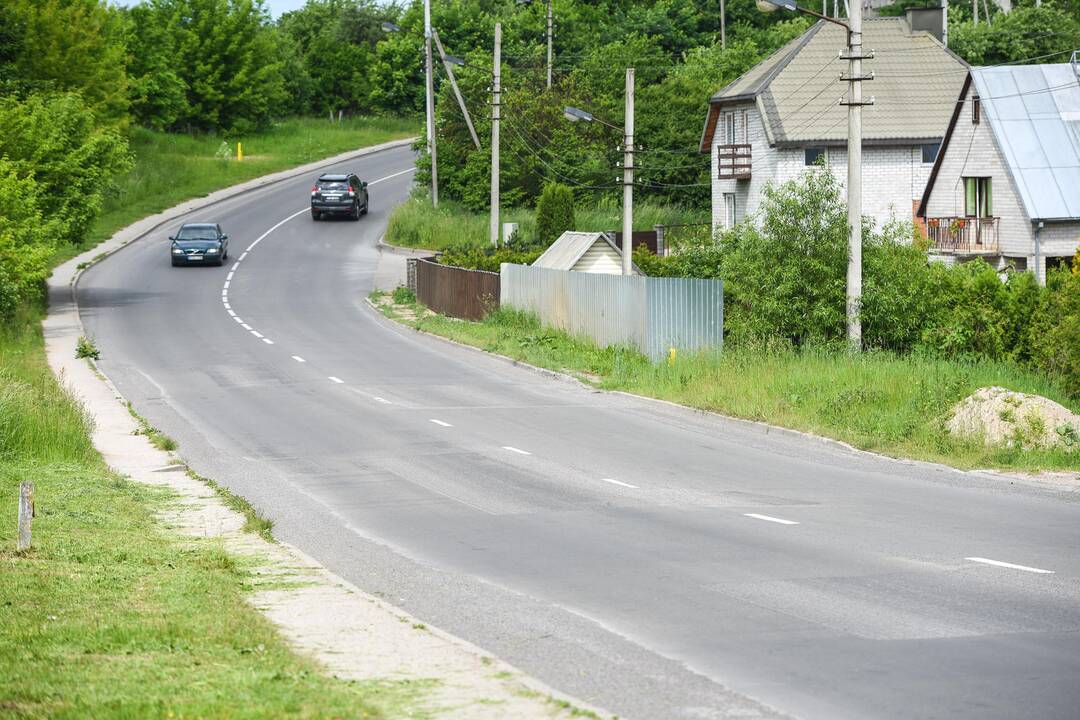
(554, 213)
(155, 89)
(1026, 34)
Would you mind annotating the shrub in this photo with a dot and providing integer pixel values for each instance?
(554, 213)
(1054, 332)
(486, 257)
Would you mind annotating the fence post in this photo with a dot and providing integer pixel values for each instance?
(26, 515)
(660, 250)
(410, 273)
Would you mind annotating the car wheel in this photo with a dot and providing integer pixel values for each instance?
(175, 264)
(315, 215)
(355, 214)
(365, 208)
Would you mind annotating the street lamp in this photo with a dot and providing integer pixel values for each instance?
(574, 114)
(854, 151)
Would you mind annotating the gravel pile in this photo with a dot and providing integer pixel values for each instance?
(1005, 418)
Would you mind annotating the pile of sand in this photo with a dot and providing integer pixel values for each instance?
(1005, 418)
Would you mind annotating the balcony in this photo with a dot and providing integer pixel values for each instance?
(733, 162)
(963, 235)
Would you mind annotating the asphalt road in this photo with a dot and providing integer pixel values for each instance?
(651, 560)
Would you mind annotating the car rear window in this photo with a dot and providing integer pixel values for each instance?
(333, 185)
(197, 233)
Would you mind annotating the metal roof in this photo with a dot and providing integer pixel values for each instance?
(568, 249)
(916, 83)
(1034, 112)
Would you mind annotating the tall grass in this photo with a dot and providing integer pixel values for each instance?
(896, 405)
(417, 224)
(170, 168)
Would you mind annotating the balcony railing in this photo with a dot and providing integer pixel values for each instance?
(963, 235)
(733, 162)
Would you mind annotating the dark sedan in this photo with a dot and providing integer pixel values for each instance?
(199, 244)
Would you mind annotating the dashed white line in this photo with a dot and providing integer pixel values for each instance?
(226, 285)
(242, 256)
(268, 341)
(231, 312)
(245, 326)
(231, 273)
(256, 333)
(440, 423)
(384, 401)
(228, 306)
(516, 450)
(333, 379)
(620, 483)
(769, 518)
(999, 563)
(297, 358)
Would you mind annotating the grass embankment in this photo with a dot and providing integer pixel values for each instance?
(110, 615)
(171, 168)
(875, 401)
(416, 223)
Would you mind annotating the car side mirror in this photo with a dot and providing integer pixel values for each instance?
(172, 238)
(363, 185)
(224, 237)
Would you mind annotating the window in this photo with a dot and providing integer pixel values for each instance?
(813, 155)
(976, 110)
(729, 210)
(977, 197)
(930, 151)
(729, 128)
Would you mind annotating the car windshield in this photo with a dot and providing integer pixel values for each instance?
(333, 185)
(197, 233)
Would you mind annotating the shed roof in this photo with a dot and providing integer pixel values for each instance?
(916, 82)
(565, 252)
(1034, 113)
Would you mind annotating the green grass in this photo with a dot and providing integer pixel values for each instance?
(170, 168)
(110, 615)
(875, 401)
(416, 223)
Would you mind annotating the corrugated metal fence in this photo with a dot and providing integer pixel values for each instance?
(651, 314)
(456, 292)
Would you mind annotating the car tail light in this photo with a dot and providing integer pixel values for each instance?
(314, 189)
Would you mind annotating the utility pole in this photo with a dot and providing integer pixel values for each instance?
(549, 40)
(975, 11)
(457, 91)
(430, 102)
(723, 24)
(854, 178)
(496, 114)
(945, 23)
(628, 177)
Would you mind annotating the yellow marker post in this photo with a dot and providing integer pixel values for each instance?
(240, 151)
(671, 356)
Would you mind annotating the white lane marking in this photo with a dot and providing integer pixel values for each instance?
(333, 379)
(391, 177)
(275, 227)
(440, 422)
(238, 319)
(226, 285)
(246, 326)
(231, 312)
(618, 482)
(516, 450)
(256, 333)
(228, 306)
(999, 563)
(231, 273)
(242, 256)
(384, 401)
(297, 358)
(769, 518)
(268, 341)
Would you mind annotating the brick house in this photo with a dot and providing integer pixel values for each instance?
(1006, 184)
(777, 119)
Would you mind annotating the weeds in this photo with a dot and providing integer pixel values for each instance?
(85, 348)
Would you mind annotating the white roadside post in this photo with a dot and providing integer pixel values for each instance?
(854, 103)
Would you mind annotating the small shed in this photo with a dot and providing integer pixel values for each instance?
(591, 252)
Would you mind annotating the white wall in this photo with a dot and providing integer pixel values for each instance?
(748, 193)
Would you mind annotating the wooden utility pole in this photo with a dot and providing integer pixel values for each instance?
(457, 92)
(496, 115)
(26, 515)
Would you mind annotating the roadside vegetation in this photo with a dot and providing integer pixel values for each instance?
(879, 401)
(110, 615)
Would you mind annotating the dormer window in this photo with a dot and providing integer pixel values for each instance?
(976, 110)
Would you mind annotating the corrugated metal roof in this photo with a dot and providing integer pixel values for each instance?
(916, 83)
(1034, 112)
(571, 246)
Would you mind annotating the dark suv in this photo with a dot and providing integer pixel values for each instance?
(199, 244)
(341, 194)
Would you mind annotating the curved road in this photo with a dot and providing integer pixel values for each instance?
(649, 560)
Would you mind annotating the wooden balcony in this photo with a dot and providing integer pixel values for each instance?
(963, 235)
(733, 162)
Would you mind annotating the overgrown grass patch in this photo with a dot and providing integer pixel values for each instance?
(171, 167)
(895, 405)
(110, 615)
(416, 223)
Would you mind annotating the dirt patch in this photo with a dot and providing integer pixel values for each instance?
(1005, 418)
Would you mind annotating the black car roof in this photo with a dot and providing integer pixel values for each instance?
(338, 178)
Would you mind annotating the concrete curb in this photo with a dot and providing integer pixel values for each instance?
(758, 425)
(407, 251)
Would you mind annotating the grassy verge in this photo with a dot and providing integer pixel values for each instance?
(875, 401)
(417, 224)
(170, 168)
(111, 616)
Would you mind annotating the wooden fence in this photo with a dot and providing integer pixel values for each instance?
(456, 292)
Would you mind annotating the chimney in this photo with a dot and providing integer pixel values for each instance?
(930, 19)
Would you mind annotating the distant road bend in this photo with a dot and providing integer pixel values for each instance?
(652, 561)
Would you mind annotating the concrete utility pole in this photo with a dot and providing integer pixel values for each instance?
(628, 178)
(975, 11)
(854, 180)
(429, 69)
(723, 24)
(945, 23)
(549, 42)
(496, 115)
(448, 66)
